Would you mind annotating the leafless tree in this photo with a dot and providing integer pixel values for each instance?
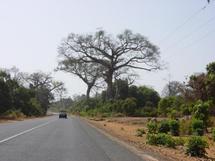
(89, 73)
(173, 88)
(126, 50)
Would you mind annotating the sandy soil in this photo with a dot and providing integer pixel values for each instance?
(125, 129)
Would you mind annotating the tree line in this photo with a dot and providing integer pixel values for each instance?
(27, 94)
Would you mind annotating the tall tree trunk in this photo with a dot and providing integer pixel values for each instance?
(109, 81)
(89, 87)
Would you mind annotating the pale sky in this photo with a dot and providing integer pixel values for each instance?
(31, 30)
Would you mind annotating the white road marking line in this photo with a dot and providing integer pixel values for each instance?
(26, 131)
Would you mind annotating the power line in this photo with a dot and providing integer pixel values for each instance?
(191, 33)
(190, 18)
(209, 33)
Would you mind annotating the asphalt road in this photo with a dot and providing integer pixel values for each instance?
(53, 139)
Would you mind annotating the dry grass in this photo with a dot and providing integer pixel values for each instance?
(125, 129)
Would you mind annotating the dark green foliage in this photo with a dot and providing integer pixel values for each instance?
(213, 134)
(146, 112)
(13, 114)
(174, 127)
(179, 141)
(128, 106)
(160, 139)
(150, 95)
(16, 98)
(201, 112)
(144, 95)
(163, 127)
(140, 132)
(121, 89)
(152, 127)
(5, 97)
(197, 127)
(185, 109)
(196, 146)
(167, 104)
(211, 68)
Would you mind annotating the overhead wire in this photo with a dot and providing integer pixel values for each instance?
(189, 19)
(191, 33)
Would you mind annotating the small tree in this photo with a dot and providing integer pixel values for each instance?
(196, 146)
(174, 127)
(197, 127)
(201, 112)
(152, 127)
(163, 127)
(129, 106)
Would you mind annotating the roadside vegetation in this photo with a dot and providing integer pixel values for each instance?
(24, 95)
(187, 111)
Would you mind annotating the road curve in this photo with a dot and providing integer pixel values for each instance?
(53, 139)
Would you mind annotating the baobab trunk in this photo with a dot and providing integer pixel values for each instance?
(109, 81)
(88, 92)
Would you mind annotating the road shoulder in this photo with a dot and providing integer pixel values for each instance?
(145, 154)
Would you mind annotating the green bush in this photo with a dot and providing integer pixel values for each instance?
(179, 141)
(128, 106)
(213, 133)
(160, 139)
(185, 127)
(140, 132)
(163, 127)
(151, 139)
(197, 127)
(196, 146)
(146, 111)
(14, 114)
(174, 127)
(173, 114)
(152, 127)
(201, 112)
(167, 104)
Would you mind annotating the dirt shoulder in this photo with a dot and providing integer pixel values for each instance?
(125, 130)
(9, 120)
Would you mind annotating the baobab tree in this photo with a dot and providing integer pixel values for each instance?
(126, 50)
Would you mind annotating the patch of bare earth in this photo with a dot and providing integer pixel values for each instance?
(124, 128)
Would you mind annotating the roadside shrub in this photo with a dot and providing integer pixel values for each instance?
(129, 105)
(201, 112)
(14, 114)
(152, 127)
(174, 114)
(185, 127)
(167, 104)
(146, 112)
(197, 127)
(196, 146)
(163, 127)
(160, 139)
(179, 141)
(185, 109)
(174, 127)
(213, 134)
(140, 132)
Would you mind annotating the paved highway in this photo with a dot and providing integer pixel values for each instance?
(53, 139)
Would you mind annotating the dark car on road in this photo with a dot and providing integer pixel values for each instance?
(63, 114)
